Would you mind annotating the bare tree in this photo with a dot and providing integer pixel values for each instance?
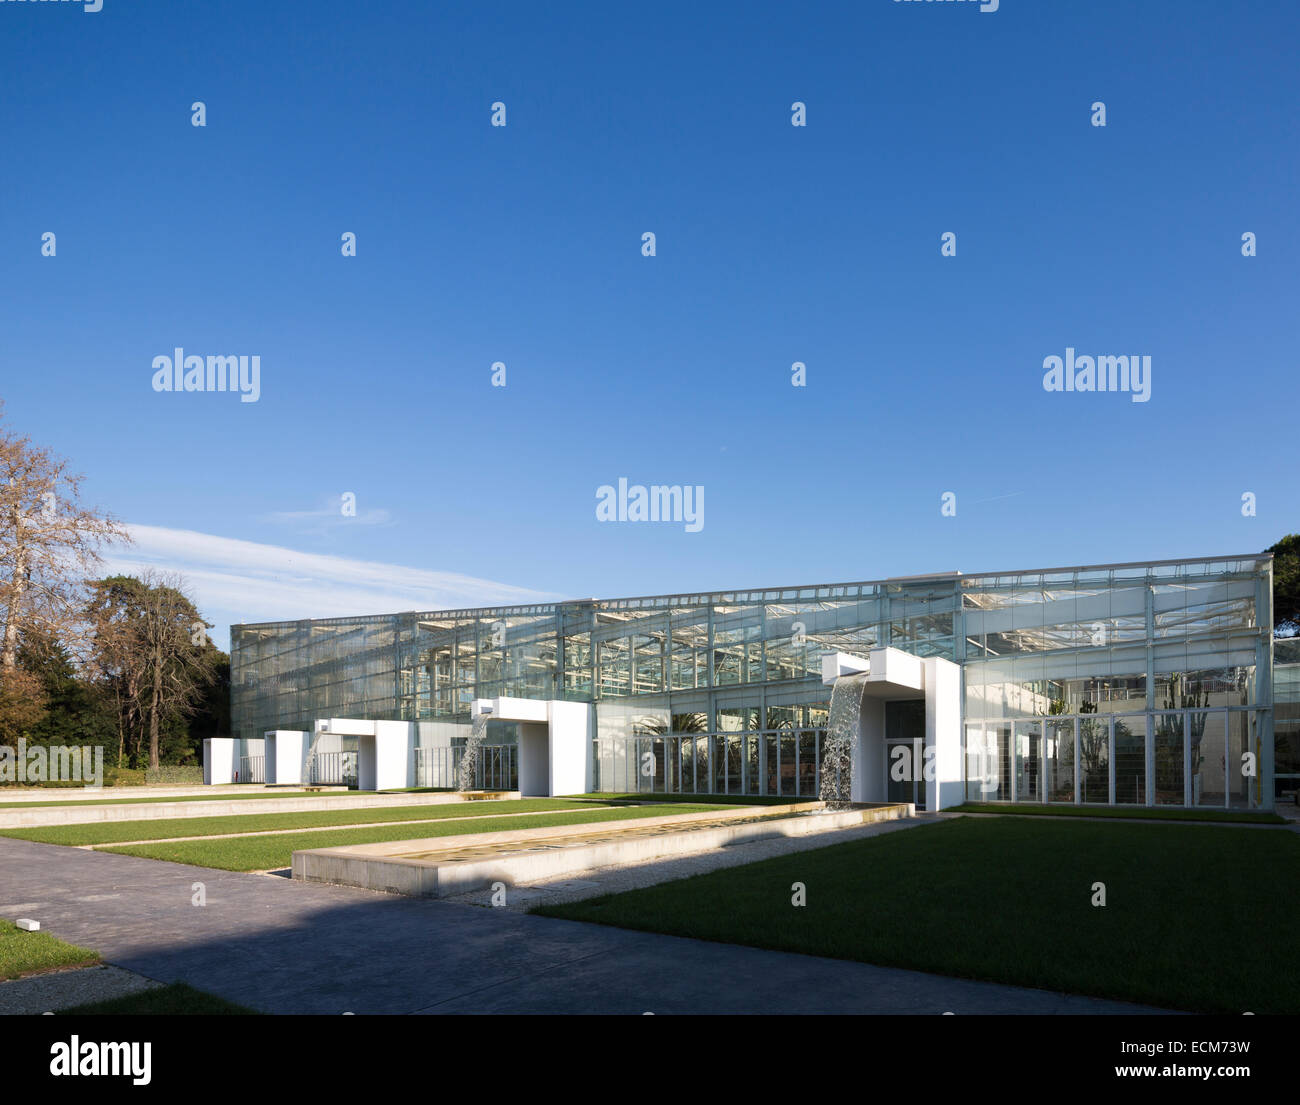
(49, 544)
(177, 667)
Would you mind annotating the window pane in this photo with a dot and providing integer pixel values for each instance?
(687, 747)
(1094, 759)
(718, 765)
(974, 762)
(988, 762)
(1059, 785)
(788, 778)
(1029, 751)
(614, 667)
(1243, 743)
(1169, 759)
(649, 675)
(690, 654)
(1131, 760)
(733, 764)
(808, 764)
(1207, 737)
(727, 652)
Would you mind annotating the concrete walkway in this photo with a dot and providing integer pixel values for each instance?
(286, 947)
(53, 990)
(44, 796)
(581, 810)
(86, 814)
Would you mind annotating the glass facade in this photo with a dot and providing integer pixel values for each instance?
(1144, 683)
(1286, 723)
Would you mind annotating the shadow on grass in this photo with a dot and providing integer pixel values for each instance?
(176, 1000)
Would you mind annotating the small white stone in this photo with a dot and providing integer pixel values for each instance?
(28, 925)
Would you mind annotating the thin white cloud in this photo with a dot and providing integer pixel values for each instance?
(328, 517)
(235, 581)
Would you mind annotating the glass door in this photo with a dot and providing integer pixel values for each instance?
(1029, 760)
(905, 751)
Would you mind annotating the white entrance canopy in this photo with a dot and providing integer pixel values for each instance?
(220, 760)
(555, 754)
(285, 753)
(554, 747)
(383, 750)
(891, 675)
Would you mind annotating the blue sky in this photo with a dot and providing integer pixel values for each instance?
(775, 244)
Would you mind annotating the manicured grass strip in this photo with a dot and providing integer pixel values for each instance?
(108, 832)
(176, 1000)
(1195, 917)
(265, 853)
(712, 799)
(179, 798)
(25, 953)
(1146, 813)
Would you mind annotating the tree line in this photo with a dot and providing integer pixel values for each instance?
(119, 661)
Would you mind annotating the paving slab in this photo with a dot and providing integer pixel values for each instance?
(55, 990)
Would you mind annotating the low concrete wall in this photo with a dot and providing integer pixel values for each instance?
(385, 867)
(548, 832)
(43, 795)
(153, 811)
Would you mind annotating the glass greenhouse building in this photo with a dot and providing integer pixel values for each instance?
(1144, 683)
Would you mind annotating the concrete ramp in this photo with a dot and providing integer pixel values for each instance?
(439, 867)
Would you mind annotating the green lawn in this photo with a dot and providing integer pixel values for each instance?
(176, 1000)
(264, 853)
(109, 832)
(25, 953)
(177, 798)
(1144, 813)
(1197, 918)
